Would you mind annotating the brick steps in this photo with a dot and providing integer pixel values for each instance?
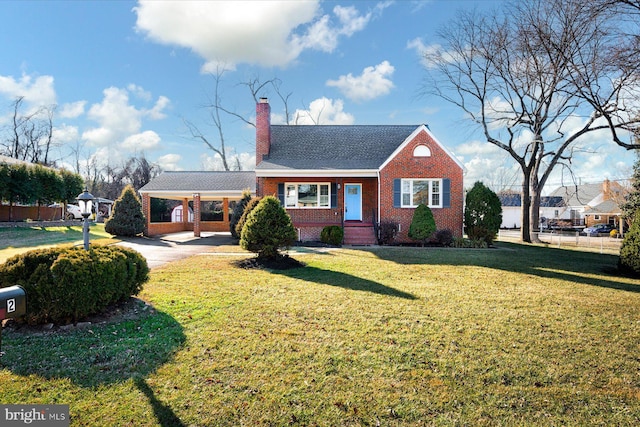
(359, 235)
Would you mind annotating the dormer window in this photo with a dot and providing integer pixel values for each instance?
(421, 151)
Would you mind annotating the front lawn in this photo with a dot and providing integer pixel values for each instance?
(15, 240)
(518, 335)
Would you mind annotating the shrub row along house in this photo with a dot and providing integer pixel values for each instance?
(355, 177)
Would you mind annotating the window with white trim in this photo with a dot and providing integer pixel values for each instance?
(421, 191)
(307, 195)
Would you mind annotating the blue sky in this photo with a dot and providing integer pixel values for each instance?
(125, 75)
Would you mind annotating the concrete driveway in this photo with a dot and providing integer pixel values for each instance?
(160, 250)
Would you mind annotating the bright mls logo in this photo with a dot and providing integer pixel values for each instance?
(11, 305)
(34, 415)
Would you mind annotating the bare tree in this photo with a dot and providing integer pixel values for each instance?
(527, 78)
(219, 112)
(31, 134)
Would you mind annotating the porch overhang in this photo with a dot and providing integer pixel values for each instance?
(204, 195)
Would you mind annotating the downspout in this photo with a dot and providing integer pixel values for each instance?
(379, 186)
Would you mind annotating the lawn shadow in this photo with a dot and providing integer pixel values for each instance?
(545, 262)
(164, 414)
(96, 354)
(342, 280)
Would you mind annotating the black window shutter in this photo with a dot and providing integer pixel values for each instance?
(281, 192)
(334, 195)
(397, 196)
(446, 193)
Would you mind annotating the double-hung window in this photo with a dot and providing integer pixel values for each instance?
(421, 191)
(307, 195)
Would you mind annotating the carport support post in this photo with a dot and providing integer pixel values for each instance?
(146, 210)
(196, 214)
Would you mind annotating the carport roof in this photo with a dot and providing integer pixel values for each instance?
(211, 185)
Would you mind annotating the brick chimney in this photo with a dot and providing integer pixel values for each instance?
(263, 129)
(606, 189)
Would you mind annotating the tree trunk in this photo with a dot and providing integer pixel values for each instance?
(525, 230)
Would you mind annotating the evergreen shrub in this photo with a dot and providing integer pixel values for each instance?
(268, 229)
(238, 210)
(332, 235)
(127, 218)
(629, 261)
(251, 205)
(423, 225)
(65, 284)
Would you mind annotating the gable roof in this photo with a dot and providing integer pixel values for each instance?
(210, 184)
(336, 147)
(608, 207)
(578, 195)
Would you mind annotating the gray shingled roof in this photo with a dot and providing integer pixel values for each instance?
(333, 147)
(609, 207)
(579, 195)
(202, 182)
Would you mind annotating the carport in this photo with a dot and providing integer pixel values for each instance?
(222, 187)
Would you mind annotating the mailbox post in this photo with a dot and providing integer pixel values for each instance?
(13, 303)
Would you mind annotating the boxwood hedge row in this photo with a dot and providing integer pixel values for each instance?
(66, 284)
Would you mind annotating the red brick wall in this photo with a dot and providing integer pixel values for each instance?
(313, 220)
(438, 165)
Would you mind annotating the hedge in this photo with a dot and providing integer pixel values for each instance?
(66, 284)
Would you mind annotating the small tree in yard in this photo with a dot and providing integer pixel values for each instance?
(251, 205)
(629, 261)
(423, 225)
(238, 210)
(127, 218)
(482, 213)
(268, 228)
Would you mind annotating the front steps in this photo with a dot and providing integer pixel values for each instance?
(359, 234)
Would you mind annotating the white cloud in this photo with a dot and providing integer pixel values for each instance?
(372, 83)
(214, 162)
(71, 110)
(268, 33)
(169, 162)
(156, 113)
(427, 52)
(119, 120)
(146, 140)
(139, 92)
(323, 111)
(37, 91)
(66, 133)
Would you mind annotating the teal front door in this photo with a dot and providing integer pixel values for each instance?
(353, 202)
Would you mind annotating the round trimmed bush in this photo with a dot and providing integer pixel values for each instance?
(65, 284)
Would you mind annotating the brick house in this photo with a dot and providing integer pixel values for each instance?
(355, 177)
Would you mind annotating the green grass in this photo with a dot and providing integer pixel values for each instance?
(518, 335)
(21, 239)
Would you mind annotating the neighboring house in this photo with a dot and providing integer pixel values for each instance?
(577, 206)
(354, 177)
(589, 204)
(550, 210)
